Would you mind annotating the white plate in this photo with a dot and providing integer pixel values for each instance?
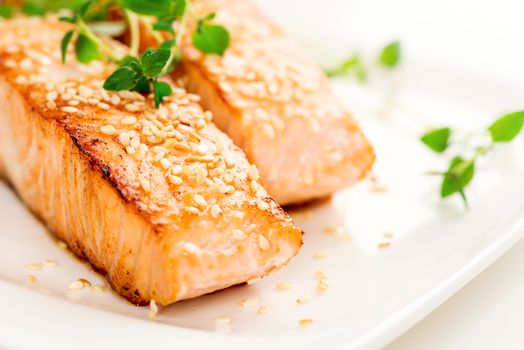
(374, 294)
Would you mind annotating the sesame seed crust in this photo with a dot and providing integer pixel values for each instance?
(171, 165)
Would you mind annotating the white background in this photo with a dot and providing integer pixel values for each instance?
(484, 37)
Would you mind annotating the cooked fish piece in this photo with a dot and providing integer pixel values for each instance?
(275, 103)
(159, 200)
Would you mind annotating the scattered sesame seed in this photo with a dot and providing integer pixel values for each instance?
(329, 230)
(33, 267)
(85, 282)
(303, 299)
(321, 254)
(76, 285)
(263, 309)
(281, 286)
(320, 274)
(249, 302)
(99, 288)
(305, 322)
(322, 286)
(384, 245)
(31, 279)
(61, 244)
(223, 320)
(49, 263)
(389, 234)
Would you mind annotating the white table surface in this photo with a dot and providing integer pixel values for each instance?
(488, 313)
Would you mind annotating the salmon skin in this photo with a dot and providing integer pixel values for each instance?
(275, 103)
(159, 200)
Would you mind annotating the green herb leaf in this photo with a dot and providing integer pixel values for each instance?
(437, 140)
(168, 44)
(459, 175)
(178, 8)
(352, 65)
(211, 38)
(165, 26)
(84, 9)
(6, 11)
(161, 90)
(507, 127)
(390, 55)
(41, 7)
(153, 61)
(143, 86)
(65, 44)
(124, 78)
(67, 19)
(148, 7)
(86, 49)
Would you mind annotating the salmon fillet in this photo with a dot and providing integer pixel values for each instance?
(159, 200)
(275, 103)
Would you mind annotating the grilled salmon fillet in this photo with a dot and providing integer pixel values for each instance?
(275, 103)
(158, 200)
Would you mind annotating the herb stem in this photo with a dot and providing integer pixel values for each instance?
(175, 49)
(132, 20)
(85, 30)
(154, 33)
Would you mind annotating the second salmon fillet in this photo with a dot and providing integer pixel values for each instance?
(275, 103)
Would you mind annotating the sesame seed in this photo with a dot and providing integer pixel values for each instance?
(303, 299)
(282, 287)
(130, 150)
(223, 320)
(263, 243)
(61, 244)
(33, 267)
(153, 307)
(146, 185)
(31, 279)
(124, 138)
(329, 230)
(175, 180)
(384, 245)
(69, 109)
(191, 210)
(199, 200)
(263, 309)
(249, 302)
(253, 173)
(321, 254)
(322, 287)
(268, 130)
(238, 234)
(128, 120)
(85, 282)
(51, 104)
(108, 130)
(389, 234)
(305, 322)
(76, 285)
(49, 263)
(262, 205)
(99, 288)
(320, 274)
(215, 210)
(51, 96)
